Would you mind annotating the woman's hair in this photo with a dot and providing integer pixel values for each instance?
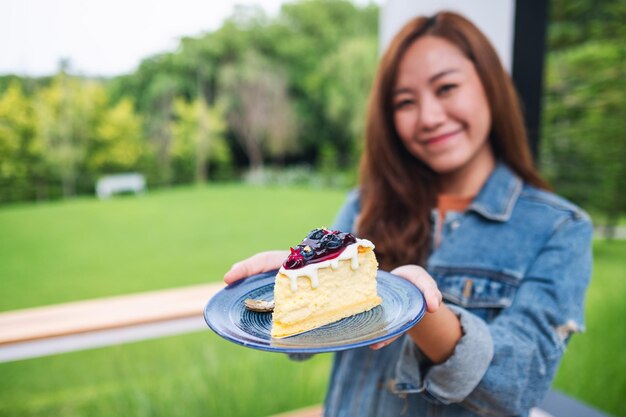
(398, 191)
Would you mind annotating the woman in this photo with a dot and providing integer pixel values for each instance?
(448, 182)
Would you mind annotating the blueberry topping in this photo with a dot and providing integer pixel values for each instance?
(307, 254)
(330, 241)
(316, 234)
(319, 245)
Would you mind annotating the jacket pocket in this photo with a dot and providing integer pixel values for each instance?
(483, 292)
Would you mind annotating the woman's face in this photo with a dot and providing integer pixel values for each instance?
(440, 108)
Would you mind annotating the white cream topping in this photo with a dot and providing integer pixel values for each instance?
(350, 252)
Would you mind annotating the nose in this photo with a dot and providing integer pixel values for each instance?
(431, 114)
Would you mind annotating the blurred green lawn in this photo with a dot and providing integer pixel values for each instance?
(65, 251)
(58, 252)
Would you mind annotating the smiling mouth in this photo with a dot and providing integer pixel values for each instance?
(440, 138)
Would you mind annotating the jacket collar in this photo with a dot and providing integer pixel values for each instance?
(496, 199)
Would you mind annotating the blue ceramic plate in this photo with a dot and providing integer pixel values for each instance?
(403, 306)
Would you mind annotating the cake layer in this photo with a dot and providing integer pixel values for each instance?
(280, 330)
(340, 292)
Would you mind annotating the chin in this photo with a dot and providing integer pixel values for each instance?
(447, 164)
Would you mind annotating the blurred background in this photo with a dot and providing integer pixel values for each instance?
(247, 129)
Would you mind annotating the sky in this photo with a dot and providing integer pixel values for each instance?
(103, 37)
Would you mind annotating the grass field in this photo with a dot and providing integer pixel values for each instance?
(197, 374)
(594, 364)
(84, 248)
(67, 251)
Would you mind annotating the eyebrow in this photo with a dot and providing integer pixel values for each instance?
(430, 81)
(441, 74)
(401, 91)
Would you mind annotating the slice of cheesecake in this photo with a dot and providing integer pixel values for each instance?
(329, 276)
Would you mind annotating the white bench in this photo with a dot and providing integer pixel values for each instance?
(113, 184)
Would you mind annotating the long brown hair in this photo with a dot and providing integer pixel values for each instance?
(398, 191)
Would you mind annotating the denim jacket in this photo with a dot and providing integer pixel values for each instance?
(514, 267)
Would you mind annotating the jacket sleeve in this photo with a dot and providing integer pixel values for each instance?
(527, 339)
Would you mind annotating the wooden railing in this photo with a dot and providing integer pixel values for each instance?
(83, 317)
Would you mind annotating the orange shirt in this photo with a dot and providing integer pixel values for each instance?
(446, 203)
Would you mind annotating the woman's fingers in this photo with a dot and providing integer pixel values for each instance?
(422, 280)
(261, 262)
(427, 285)
(381, 345)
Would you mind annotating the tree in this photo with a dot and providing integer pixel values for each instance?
(67, 113)
(258, 110)
(584, 149)
(299, 40)
(198, 140)
(263, 72)
(20, 151)
(575, 22)
(117, 144)
(344, 81)
(305, 34)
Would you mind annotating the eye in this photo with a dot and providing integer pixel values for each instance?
(401, 104)
(445, 89)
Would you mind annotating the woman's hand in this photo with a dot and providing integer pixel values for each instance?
(439, 331)
(422, 280)
(256, 264)
(427, 285)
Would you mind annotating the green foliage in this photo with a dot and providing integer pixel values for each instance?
(328, 165)
(198, 141)
(116, 145)
(68, 111)
(283, 87)
(292, 91)
(584, 149)
(20, 151)
(258, 108)
(344, 81)
(582, 146)
(309, 35)
(573, 22)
